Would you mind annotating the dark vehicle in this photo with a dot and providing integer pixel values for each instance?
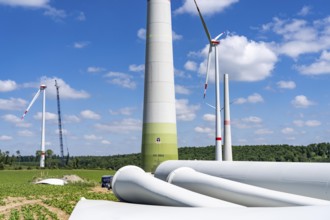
(106, 181)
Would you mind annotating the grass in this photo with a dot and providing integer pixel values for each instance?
(19, 184)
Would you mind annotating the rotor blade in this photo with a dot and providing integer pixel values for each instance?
(204, 24)
(31, 103)
(218, 36)
(209, 105)
(207, 70)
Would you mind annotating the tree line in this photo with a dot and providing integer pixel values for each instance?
(281, 153)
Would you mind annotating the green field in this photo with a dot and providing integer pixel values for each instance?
(20, 198)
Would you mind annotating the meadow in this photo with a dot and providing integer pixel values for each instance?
(20, 198)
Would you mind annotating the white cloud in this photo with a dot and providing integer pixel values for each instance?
(25, 133)
(123, 111)
(17, 121)
(184, 111)
(106, 142)
(55, 14)
(208, 7)
(81, 44)
(71, 118)
(142, 33)
(287, 130)
(127, 125)
(176, 36)
(312, 123)
(300, 36)
(308, 123)
(242, 59)
(136, 68)
(5, 138)
(190, 65)
(89, 114)
(7, 85)
(121, 79)
(305, 11)
(92, 137)
(209, 117)
(321, 66)
(182, 90)
(301, 101)
(81, 16)
(286, 84)
(203, 130)
(263, 131)
(26, 3)
(12, 104)
(254, 98)
(65, 90)
(49, 116)
(252, 119)
(94, 69)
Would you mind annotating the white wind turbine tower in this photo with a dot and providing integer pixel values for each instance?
(213, 45)
(41, 89)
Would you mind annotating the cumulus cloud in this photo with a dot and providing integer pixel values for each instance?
(81, 16)
(136, 68)
(286, 84)
(301, 101)
(242, 59)
(123, 111)
(94, 69)
(121, 79)
(126, 125)
(300, 36)
(263, 131)
(209, 117)
(184, 111)
(12, 104)
(66, 92)
(48, 116)
(320, 66)
(254, 98)
(247, 122)
(25, 133)
(89, 114)
(81, 44)
(92, 137)
(308, 123)
(208, 7)
(287, 130)
(7, 85)
(25, 3)
(305, 11)
(53, 13)
(182, 90)
(205, 130)
(17, 121)
(71, 118)
(190, 65)
(5, 138)
(142, 33)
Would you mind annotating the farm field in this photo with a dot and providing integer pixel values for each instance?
(20, 198)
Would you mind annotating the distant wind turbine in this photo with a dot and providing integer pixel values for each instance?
(41, 89)
(213, 44)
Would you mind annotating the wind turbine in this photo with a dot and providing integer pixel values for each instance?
(213, 45)
(41, 89)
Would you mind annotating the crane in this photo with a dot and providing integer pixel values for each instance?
(59, 123)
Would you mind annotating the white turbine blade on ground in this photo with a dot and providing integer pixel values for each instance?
(31, 103)
(207, 70)
(204, 24)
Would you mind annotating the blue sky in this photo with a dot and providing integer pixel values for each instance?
(277, 55)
